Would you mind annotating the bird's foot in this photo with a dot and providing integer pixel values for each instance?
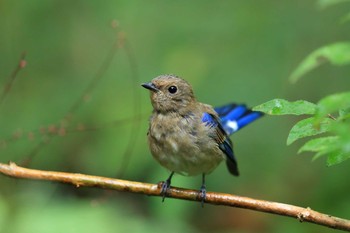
(202, 194)
(165, 188)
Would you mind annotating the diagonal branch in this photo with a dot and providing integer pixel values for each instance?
(7, 88)
(300, 213)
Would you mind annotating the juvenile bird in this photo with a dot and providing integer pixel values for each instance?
(189, 137)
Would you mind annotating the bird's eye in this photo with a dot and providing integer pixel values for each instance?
(172, 89)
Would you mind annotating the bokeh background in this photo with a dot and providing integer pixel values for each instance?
(230, 51)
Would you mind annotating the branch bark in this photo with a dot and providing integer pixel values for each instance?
(299, 213)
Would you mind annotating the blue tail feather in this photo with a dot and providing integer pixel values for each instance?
(223, 110)
(247, 119)
(234, 117)
(235, 113)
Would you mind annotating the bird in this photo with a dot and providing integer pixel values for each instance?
(189, 137)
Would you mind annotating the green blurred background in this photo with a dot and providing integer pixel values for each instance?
(241, 51)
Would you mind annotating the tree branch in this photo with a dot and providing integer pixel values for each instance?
(302, 214)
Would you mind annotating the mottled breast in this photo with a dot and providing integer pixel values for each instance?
(181, 143)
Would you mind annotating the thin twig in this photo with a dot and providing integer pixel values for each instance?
(332, 117)
(49, 134)
(96, 78)
(54, 130)
(135, 130)
(79, 180)
(7, 88)
(80, 100)
(29, 158)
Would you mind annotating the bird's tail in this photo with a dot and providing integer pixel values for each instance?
(236, 116)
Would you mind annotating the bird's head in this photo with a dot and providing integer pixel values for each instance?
(170, 93)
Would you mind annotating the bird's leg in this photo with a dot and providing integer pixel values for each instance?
(166, 186)
(203, 191)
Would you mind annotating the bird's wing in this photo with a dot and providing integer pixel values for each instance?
(222, 139)
(236, 116)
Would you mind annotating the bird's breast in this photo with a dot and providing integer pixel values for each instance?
(182, 144)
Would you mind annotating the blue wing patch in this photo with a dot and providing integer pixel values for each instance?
(222, 139)
(234, 117)
(209, 120)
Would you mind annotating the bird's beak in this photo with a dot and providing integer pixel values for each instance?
(150, 86)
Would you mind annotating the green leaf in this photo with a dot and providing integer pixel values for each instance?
(344, 113)
(326, 3)
(342, 128)
(284, 107)
(307, 127)
(337, 157)
(336, 147)
(336, 54)
(319, 154)
(322, 146)
(319, 144)
(333, 103)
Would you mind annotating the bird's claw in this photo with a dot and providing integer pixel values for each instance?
(166, 186)
(164, 189)
(203, 194)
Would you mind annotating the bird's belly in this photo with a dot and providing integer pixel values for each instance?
(185, 155)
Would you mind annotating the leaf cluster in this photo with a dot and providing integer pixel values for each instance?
(329, 117)
(328, 121)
